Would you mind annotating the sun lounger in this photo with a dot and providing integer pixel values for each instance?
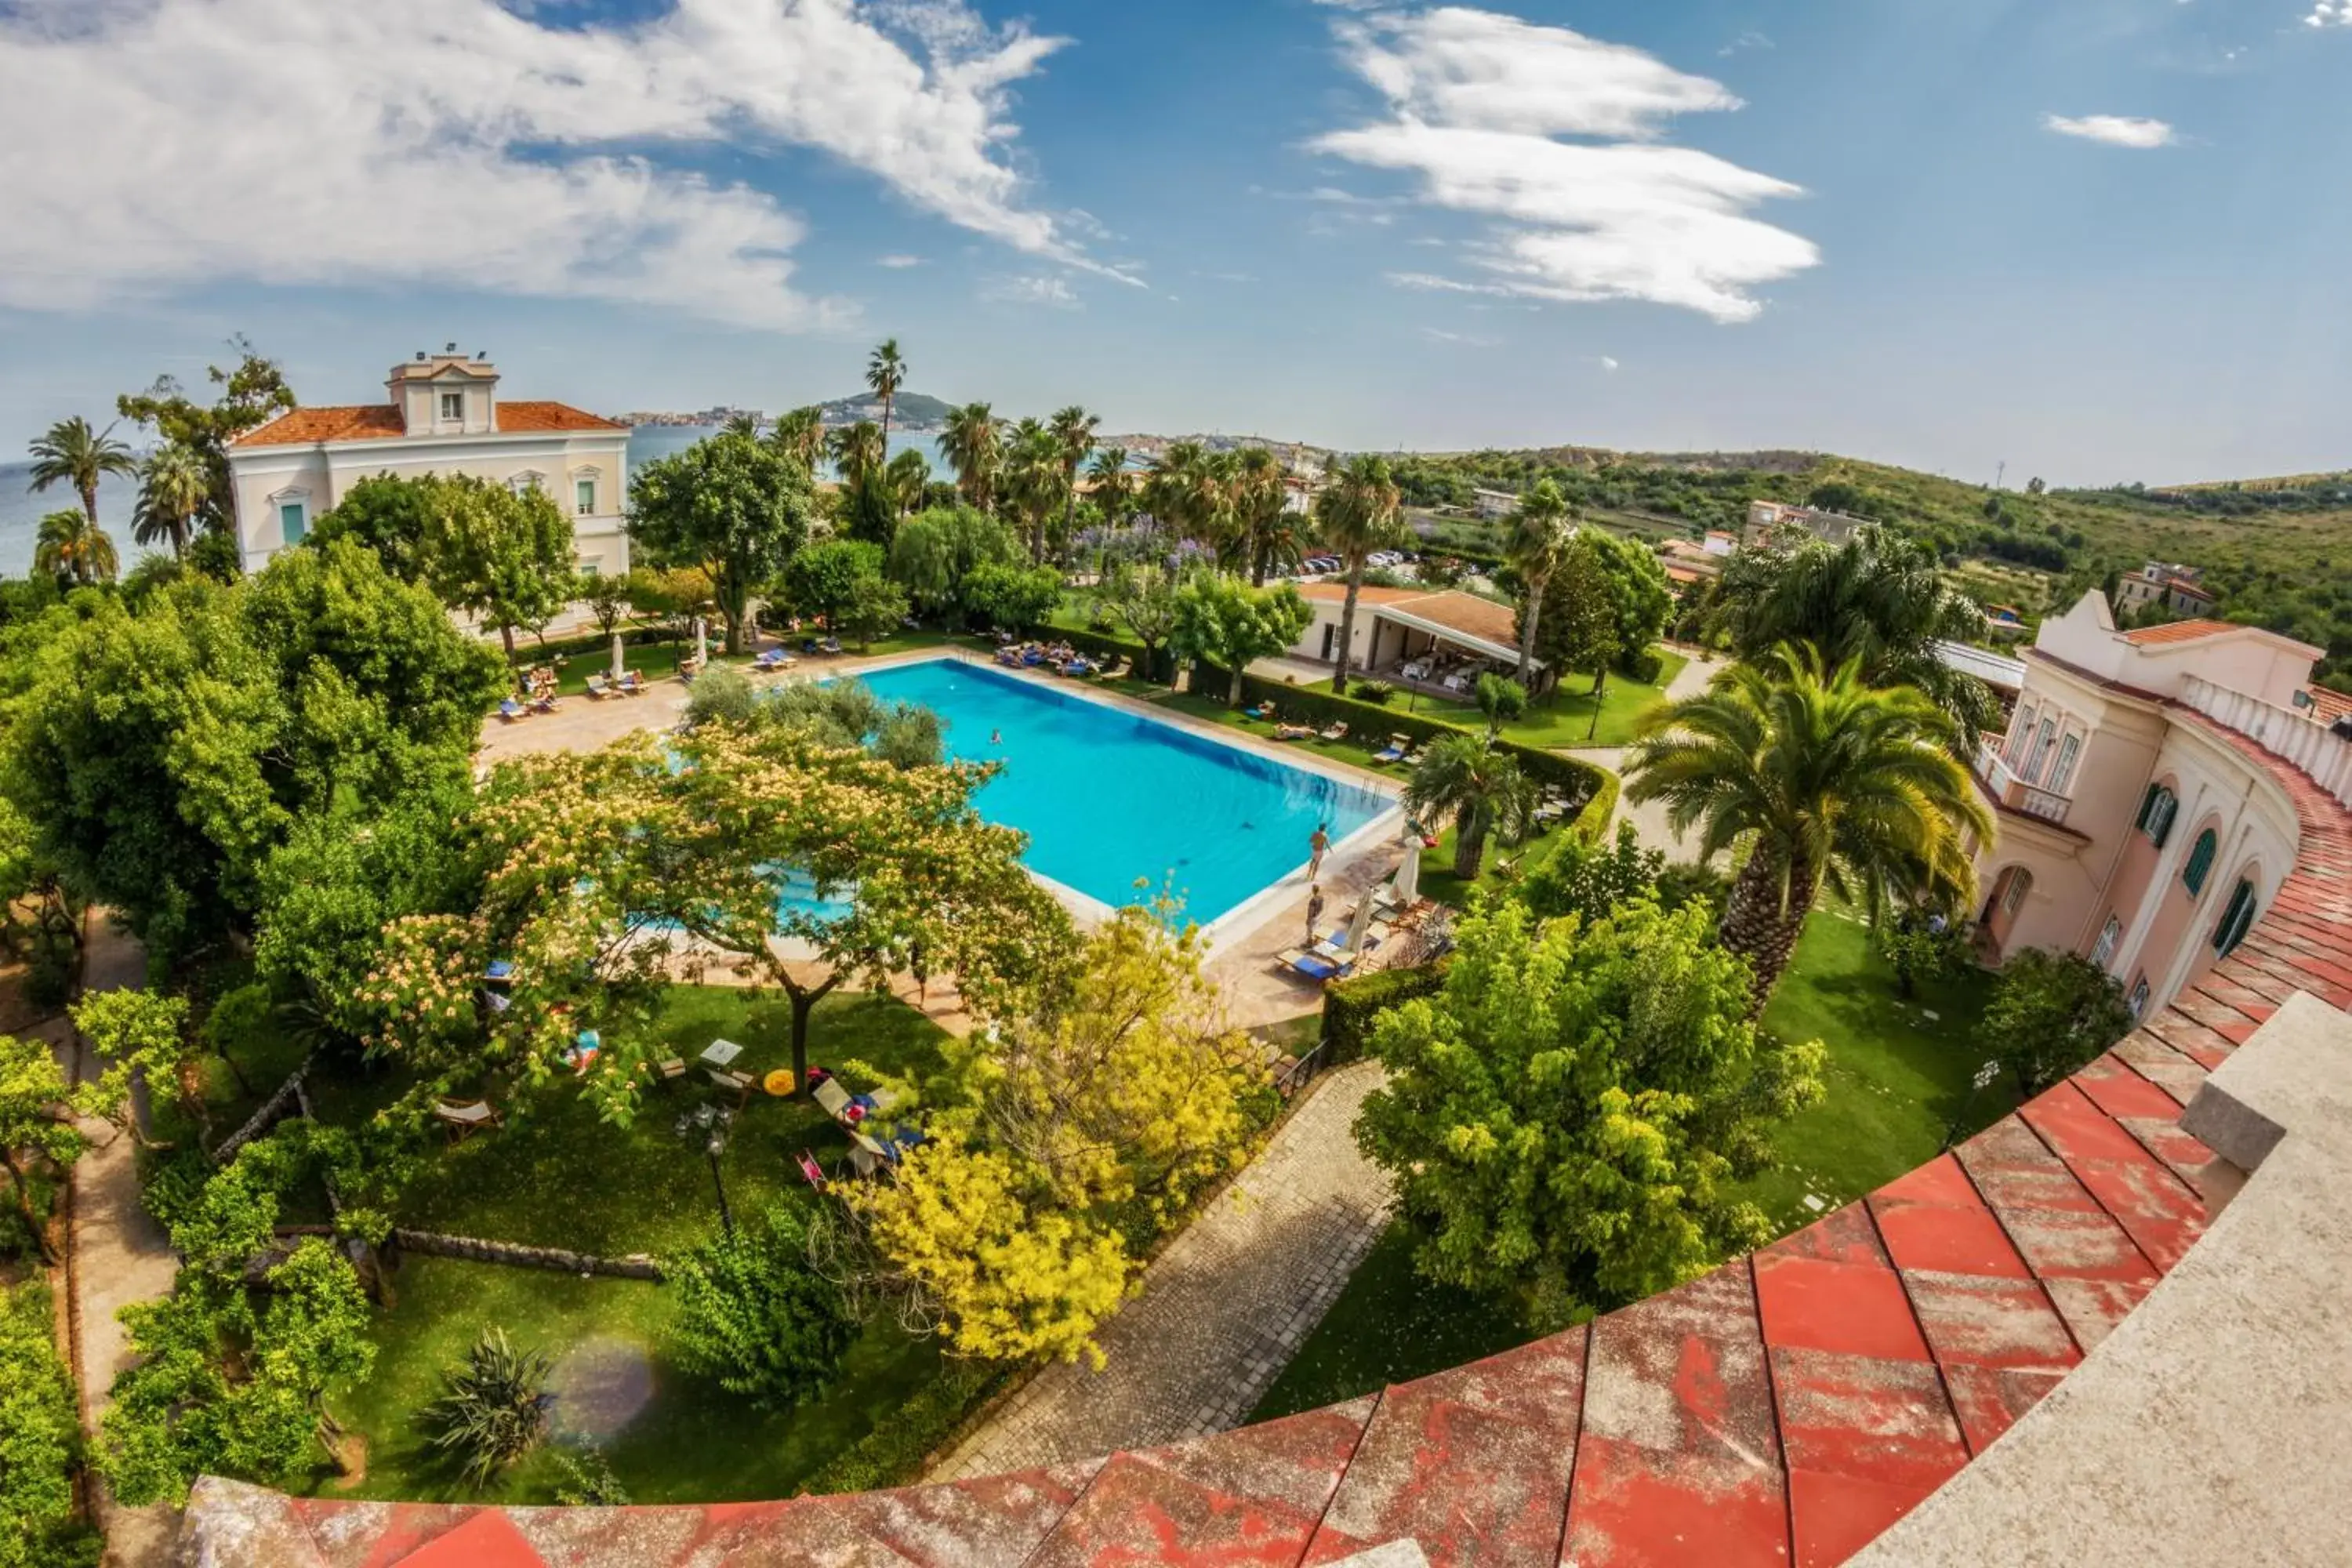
(812, 1171)
(1293, 732)
(1338, 732)
(743, 1083)
(774, 659)
(1394, 752)
(830, 645)
(464, 1118)
(632, 684)
(1315, 966)
(512, 710)
(599, 687)
(544, 702)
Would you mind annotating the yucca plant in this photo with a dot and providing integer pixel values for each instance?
(493, 1408)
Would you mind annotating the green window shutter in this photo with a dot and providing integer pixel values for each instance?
(2146, 804)
(2236, 921)
(2168, 807)
(2201, 862)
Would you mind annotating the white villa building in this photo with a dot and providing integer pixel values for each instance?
(2135, 828)
(444, 416)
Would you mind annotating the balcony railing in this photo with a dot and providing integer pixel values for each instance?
(2001, 782)
(2300, 739)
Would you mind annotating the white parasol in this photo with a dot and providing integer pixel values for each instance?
(1408, 879)
(701, 641)
(619, 666)
(1360, 926)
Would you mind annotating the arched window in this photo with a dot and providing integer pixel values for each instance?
(2109, 935)
(2157, 810)
(2201, 862)
(2139, 996)
(2236, 921)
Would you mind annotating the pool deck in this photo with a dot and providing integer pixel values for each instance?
(1243, 945)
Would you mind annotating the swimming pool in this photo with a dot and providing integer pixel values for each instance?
(1109, 797)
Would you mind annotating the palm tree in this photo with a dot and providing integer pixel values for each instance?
(1074, 434)
(68, 545)
(1483, 790)
(1878, 598)
(976, 450)
(1114, 489)
(1825, 779)
(1173, 487)
(1540, 530)
(1033, 475)
(857, 452)
(1264, 532)
(800, 436)
(886, 372)
(71, 453)
(906, 476)
(174, 485)
(1357, 515)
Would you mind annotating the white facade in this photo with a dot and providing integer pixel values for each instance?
(443, 417)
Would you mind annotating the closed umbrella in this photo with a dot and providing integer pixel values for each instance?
(1360, 926)
(1408, 879)
(619, 667)
(702, 640)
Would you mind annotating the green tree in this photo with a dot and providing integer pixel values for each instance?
(174, 486)
(41, 1439)
(502, 555)
(1822, 779)
(876, 607)
(1483, 790)
(1605, 581)
(800, 436)
(974, 448)
(1141, 596)
(1032, 482)
(1224, 621)
(1502, 701)
(1592, 881)
(886, 372)
(1357, 515)
(71, 453)
(934, 551)
(139, 1035)
(252, 393)
(392, 516)
(225, 1386)
(493, 1408)
(1074, 438)
(1877, 599)
(1114, 486)
(1565, 1119)
(1013, 597)
(907, 477)
(606, 596)
(755, 1315)
(1540, 530)
(729, 505)
(859, 451)
(1266, 532)
(67, 545)
(823, 578)
(32, 1092)
(2051, 1013)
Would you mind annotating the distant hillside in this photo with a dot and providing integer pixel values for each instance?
(908, 408)
(2278, 551)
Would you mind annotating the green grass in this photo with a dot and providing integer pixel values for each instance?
(1388, 1326)
(1896, 1082)
(1564, 720)
(1896, 1079)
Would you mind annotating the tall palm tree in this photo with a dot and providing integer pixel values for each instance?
(1172, 484)
(975, 448)
(857, 452)
(1357, 514)
(1264, 532)
(174, 485)
(907, 475)
(800, 436)
(68, 545)
(71, 453)
(886, 372)
(1032, 477)
(1114, 486)
(1826, 779)
(1074, 435)
(1540, 530)
(1483, 790)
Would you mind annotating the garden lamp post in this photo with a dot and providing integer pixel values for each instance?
(1978, 1084)
(706, 1124)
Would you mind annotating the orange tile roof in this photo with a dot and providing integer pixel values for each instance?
(2328, 706)
(1334, 593)
(2181, 631)
(382, 421)
(1465, 613)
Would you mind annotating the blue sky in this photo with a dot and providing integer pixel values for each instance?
(2097, 240)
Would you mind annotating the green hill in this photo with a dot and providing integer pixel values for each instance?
(908, 408)
(2278, 551)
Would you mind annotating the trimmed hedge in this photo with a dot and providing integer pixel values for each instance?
(1643, 665)
(893, 1452)
(1351, 1007)
(1368, 723)
(1591, 824)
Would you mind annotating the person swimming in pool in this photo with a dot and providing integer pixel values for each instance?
(996, 737)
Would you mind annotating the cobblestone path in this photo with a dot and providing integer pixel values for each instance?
(1223, 1309)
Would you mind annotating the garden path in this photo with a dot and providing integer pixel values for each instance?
(118, 1255)
(1649, 820)
(1223, 1309)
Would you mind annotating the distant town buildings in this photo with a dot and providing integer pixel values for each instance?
(2180, 588)
(1833, 527)
(443, 414)
(1494, 504)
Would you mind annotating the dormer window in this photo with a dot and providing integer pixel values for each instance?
(453, 407)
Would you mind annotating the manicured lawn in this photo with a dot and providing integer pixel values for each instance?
(1896, 1080)
(1564, 720)
(1388, 1326)
(555, 1175)
(1896, 1077)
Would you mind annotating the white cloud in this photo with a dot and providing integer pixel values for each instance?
(2114, 130)
(1031, 290)
(151, 145)
(2329, 14)
(898, 263)
(1607, 363)
(1466, 339)
(1751, 39)
(1479, 104)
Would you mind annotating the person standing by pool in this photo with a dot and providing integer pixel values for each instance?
(1318, 844)
(1314, 910)
(996, 737)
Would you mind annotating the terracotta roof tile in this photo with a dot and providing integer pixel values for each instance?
(2181, 631)
(382, 421)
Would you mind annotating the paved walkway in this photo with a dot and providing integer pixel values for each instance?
(1650, 820)
(1223, 1309)
(119, 1254)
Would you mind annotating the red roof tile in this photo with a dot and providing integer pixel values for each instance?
(383, 422)
(2180, 631)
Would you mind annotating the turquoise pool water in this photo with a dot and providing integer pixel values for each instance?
(1108, 798)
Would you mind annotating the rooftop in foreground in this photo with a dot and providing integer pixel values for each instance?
(1786, 1408)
